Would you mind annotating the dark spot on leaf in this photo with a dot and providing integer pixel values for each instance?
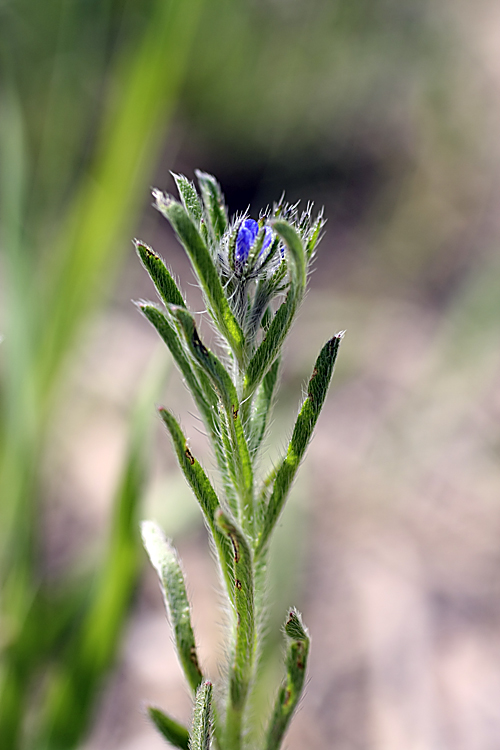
(236, 547)
(189, 456)
(198, 344)
(238, 584)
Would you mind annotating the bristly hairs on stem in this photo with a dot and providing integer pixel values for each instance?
(253, 275)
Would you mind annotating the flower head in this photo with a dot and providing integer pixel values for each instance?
(247, 237)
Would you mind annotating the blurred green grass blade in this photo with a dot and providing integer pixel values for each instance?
(145, 84)
(291, 689)
(166, 562)
(201, 731)
(302, 433)
(175, 733)
(84, 664)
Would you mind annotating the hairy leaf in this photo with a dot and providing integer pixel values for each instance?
(175, 733)
(164, 558)
(162, 279)
(291, 689)
(302, 432)
(214, 203)
(205, 270)
(201, 731)
(244, 652)
(202, 489)
(189, 198)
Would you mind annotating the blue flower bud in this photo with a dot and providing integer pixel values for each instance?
(247, 236)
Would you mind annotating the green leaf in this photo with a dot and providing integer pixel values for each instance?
(291, 689)
(202, 489)
(201, 389)
(163, 281)
(214, 203)
(302, 432)
(271, 345)
(189, 198)
(201, 731)
(295, 252)
(164, 558)
(244, 651)
(315, 235)
(205, 270)
(239, 454)
(175, 733)
(171, 337)
(262, 407)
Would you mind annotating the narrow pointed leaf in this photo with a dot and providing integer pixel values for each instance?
(200, 386)
(291, 689)
(226, 390)
(202, 489)
(175, 733)
(270, 347)
(205, 270)
(171, 337)
(214, 203)
(162, 279)
(164, 558)
(302, 432)
(296, 253)
(262, 407)
(189, 198)
(202, 729)
(244, 651)
(315, 235)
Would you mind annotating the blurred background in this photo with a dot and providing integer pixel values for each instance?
(387, 113)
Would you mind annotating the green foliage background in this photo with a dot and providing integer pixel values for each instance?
(375, 108)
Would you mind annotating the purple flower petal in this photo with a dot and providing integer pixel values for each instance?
(268, 238)
(247, 235)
